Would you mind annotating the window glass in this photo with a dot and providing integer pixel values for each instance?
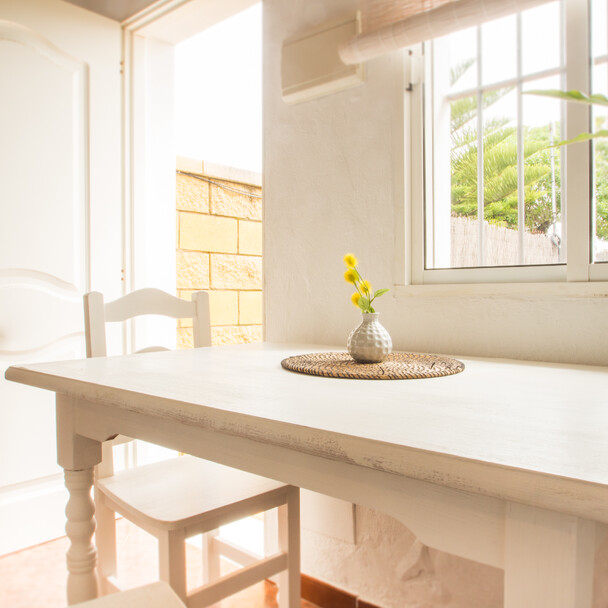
(491, 145)
(543, 192)
(499, 49)
(463, 251)
(541, 38)
(599, 79)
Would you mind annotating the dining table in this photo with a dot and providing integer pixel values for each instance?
(504, 463)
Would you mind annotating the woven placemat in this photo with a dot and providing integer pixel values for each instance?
(397, 366)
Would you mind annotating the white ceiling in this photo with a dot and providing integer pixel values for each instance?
(119, 10)
(186, 18)
(192, 17)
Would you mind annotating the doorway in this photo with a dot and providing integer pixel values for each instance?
(197, 94)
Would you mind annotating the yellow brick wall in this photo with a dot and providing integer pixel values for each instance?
(219, 249)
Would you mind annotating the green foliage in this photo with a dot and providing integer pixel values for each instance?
(583, 137)
(600, 150)
(573, 95)
(500, 165)
(601, 188)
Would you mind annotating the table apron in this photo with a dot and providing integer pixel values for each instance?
(458, 522)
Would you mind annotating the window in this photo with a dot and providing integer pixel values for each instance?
(492, 200)
(599, 80)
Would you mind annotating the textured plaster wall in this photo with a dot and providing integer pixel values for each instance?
(334, 182)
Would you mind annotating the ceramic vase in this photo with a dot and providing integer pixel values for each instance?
(369, 342)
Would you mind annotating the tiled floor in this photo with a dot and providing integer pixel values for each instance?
(35, 577)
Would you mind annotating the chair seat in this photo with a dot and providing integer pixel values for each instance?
(155, 595)
(184, 491)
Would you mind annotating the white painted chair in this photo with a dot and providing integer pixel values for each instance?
(181, 497)
(155, 595)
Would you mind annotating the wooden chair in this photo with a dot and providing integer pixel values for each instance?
(155, 595)
(184, 496)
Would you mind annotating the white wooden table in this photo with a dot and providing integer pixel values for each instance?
(505, 463)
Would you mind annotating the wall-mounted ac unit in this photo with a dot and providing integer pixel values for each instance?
(311, 64)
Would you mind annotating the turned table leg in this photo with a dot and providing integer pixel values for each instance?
(80, 526)
(78, 455)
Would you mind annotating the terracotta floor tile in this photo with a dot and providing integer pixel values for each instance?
(35, 577)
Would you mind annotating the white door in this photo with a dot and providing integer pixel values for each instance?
(45, 246)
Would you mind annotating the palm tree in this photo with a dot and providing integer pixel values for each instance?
(600, 149)
(500, 164)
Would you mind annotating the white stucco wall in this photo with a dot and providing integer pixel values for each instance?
(334, 175)
(333, 183)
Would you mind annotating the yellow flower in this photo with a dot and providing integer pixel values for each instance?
(350, 276)
(365, 287)
(350, 260)
(355, 298)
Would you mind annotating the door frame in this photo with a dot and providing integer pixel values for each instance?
(148, 42)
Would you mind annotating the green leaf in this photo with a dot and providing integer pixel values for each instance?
(380, 292)
(363, 304)
(460, 69)
(582, 137)
(573, 95)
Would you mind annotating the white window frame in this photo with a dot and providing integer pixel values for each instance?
(577, 219)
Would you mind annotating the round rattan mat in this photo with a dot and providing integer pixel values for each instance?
(397, 366)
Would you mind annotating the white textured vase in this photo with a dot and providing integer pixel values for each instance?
(370, 342)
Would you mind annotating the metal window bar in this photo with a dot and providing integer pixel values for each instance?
(480, 156)
(563, 114)
(521, 195)
(509, 82)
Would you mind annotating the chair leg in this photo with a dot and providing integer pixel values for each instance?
(271, 537)
(105, 540)
(289, 540)
(211, 557)
(172, 560)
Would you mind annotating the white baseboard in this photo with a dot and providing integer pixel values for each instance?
(31, 513)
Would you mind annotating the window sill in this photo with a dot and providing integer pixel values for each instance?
(597, 289)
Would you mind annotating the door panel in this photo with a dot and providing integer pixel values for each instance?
(45, 246)
(43, 231)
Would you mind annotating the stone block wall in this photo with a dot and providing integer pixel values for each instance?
(219, 248)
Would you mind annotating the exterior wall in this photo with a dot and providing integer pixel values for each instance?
(334, 172)
(500, 245)
(219, 249)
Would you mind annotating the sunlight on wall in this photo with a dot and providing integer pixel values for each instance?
(218, 85)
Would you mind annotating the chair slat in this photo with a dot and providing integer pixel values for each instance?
(148, 302)
(237, 581)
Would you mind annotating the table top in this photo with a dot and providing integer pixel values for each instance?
(492, 429)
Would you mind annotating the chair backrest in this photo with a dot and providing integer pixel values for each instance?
(135, 304)
(143, 302)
